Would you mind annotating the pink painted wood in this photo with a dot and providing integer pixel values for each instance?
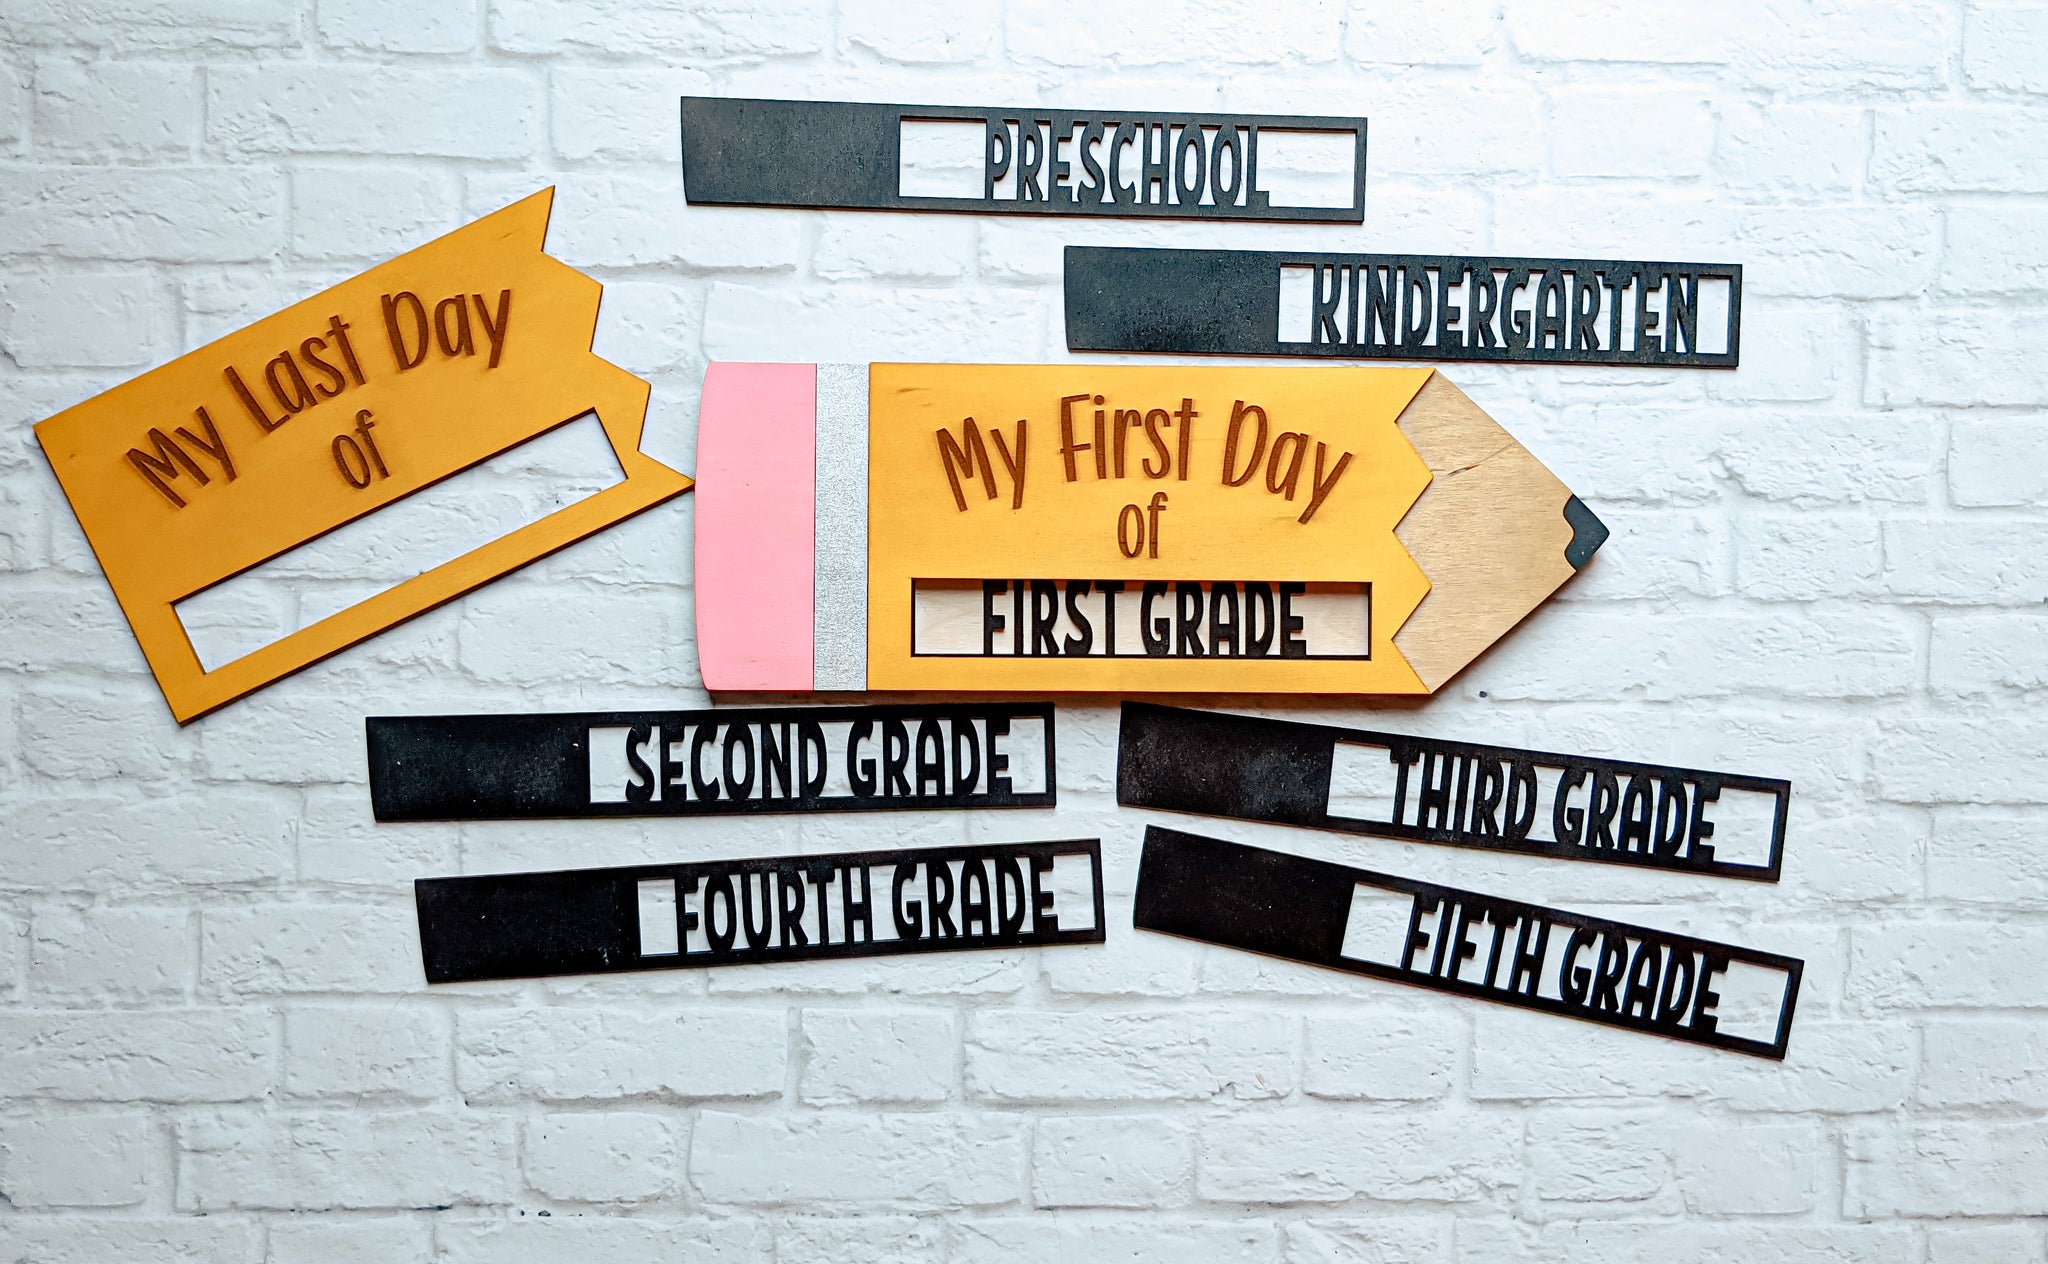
(756, 495)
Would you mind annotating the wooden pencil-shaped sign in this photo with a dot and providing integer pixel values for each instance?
(1113, 529)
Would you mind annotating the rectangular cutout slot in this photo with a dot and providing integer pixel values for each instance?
(381, 549)
(1376, 925)
(1035, 618)
(942, 158)
(658, 918)
(1307, 169)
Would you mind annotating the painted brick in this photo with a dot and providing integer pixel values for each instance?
(1692, 1242)
(1958, 149)
(920, 32)
(1983, 1062)
(1419, 35)
(1801, 557)
(344, 1159)
(1816, 149)
(447, 112)
(1057, 33)
(1391, 1239)
(1937, 760)
(1998, 462)
(1910, 965)
(1639, 133)
(620, 115)
(130, 25)
(170, 1055)
(190, 214)
(86, 1240)
(815, 1239)
(1983, 1244)
(1599, 1158)
(393, 26)
(357, 1051)
(1995, 40)
(1976, 560)
(1111, 1161)
(1937, 1170)
(1124, 1240)
(369, 215)
(1015, 1055)
(517, 1240)
(1938, 358)
(564, 1054)
(904, 1162)
(1335, 1154)
(843, 324)
(934, 249)
(1664, 31)
(116, 108)
(1987, 250)
(1986, 856)
(718, 32)
(874, 1056)
(1384, 1055)
(1971, 655)
(75, 1160)
(90, 841)
(41, 325)
(1793, 353)
(1897, 46)
(303, 1240)
(120, 954)
(1747, 1168)
(309, 948)
(613, 1157)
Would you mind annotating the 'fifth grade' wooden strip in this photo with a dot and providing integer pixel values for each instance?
(1466, 943)
(1098, 528)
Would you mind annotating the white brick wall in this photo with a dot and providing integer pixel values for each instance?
(1830, 565)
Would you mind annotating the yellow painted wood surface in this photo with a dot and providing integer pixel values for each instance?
(1061, 528)
(245, 479)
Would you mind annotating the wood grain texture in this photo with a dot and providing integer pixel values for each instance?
(1489, 532)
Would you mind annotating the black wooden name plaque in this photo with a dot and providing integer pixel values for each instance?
(1430, 790)
(787, 908)
(715, 762)
(1467, 944)
(1020, 161)
(1403, 307)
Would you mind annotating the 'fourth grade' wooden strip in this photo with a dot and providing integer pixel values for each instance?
(1099, 528)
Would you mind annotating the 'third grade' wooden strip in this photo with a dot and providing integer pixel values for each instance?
(1403, 307)
(1430, 790)
(1025, 161)
(1099, 528)
(1467, 944)
(786, 908)
(721, 762)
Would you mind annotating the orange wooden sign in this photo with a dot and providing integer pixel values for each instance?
(333, 409)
